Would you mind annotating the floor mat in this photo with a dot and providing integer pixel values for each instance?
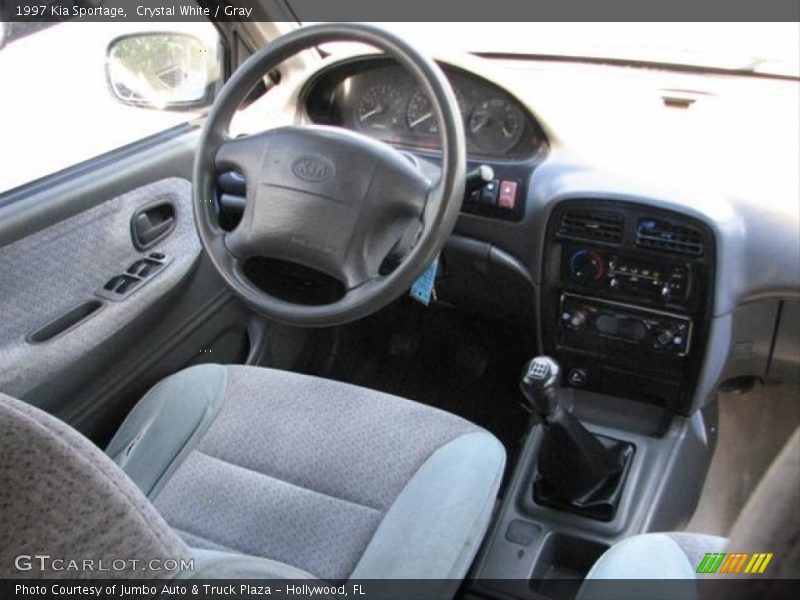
(461, 364)
(753, 428)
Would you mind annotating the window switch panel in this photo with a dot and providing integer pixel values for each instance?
(135, 276)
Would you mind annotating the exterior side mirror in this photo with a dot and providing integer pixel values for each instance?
(166, 71)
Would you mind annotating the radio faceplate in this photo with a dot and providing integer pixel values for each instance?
(583, 319)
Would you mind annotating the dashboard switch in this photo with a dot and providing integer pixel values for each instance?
(507, 196)
(489, 193)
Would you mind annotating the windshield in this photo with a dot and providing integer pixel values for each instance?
(766, 48)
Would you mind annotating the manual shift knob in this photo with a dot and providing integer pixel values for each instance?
(540, 384)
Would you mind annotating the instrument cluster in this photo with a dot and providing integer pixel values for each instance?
(380, 99)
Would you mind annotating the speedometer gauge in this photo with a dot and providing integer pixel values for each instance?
(419, 112)
(496, 125)
(378, 108)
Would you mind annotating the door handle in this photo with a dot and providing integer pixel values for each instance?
(151, 224)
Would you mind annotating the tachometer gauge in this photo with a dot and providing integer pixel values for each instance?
(419, 112)
(496, 125)
(377, 108)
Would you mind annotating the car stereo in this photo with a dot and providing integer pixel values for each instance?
(584, 319)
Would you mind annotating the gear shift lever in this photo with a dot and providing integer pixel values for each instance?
(572, 461)
(540, 384)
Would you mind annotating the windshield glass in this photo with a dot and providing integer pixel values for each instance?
(767, 48)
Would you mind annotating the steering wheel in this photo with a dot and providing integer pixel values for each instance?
(326, 198)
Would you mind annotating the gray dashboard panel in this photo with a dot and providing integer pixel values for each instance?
(758, 236)
(757, 250)
(757, 247)
(744, 253)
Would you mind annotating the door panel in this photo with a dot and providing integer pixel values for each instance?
(61, 240)
(38, 205)
(199, 320)
(82, 352)
(60, 268)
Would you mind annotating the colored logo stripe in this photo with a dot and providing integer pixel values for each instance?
(711, 562)
(758, 563)
(733, 563)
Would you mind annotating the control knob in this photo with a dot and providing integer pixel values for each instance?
(576, 319)
(587, 266)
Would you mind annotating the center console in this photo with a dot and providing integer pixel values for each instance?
(614, 449)
(537, 549)
(626, 299)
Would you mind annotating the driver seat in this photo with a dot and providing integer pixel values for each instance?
(251, 472)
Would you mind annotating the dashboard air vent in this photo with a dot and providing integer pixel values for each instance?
(668, 237)
(587, 224)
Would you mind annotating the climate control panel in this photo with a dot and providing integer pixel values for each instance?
(593, 269)
(584, 319)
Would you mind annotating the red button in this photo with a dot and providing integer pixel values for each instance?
(507, 197)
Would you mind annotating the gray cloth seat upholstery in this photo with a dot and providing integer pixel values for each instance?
(60, 496)
(331, 479)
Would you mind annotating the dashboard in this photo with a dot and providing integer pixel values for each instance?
(650, 254)
(379, 98)
(622, 283)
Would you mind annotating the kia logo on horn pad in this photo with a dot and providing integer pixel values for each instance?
(312, 168)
